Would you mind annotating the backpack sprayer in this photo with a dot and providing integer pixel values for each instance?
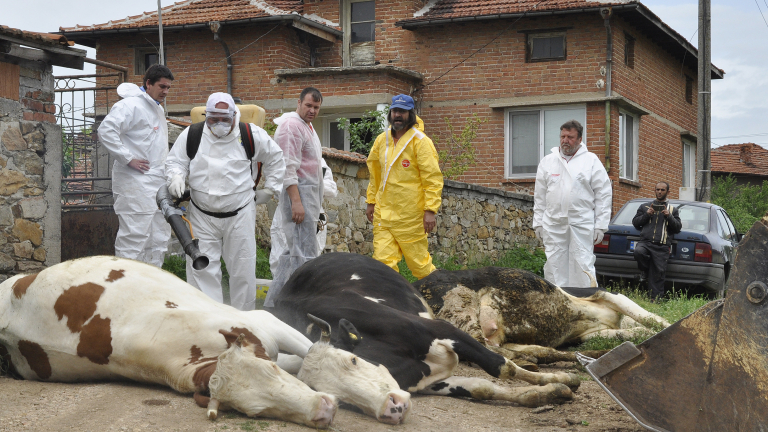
(174, 216)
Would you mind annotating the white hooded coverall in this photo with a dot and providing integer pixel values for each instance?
(136, 128)
(303, 154)
(277, 236)
(572, 198)
(221, 180)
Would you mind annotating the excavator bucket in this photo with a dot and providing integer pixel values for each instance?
(708, 371)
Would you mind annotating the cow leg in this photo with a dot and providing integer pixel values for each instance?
(623, 334)
(482, 389)
(621, 304)
(528, 356)
(511, 370)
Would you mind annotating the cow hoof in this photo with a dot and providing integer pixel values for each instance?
(546, 395)
(572, 381)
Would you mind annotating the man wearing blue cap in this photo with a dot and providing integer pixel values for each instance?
(405, 190)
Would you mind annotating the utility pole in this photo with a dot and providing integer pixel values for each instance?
(161, 59)
(160, 30)
(703, 146)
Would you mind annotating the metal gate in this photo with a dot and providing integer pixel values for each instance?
(88, 221)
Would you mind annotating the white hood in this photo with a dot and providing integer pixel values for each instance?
(126, 90)
(286, 116)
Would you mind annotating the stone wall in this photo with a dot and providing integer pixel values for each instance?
(30, 171)
(474, 222)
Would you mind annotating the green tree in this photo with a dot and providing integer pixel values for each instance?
(745, 204)
(458, 154)
(363, 133)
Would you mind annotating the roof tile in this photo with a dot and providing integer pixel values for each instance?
(746, 158)
(200, 11)
(445, 9)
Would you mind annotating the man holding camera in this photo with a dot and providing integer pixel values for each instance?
(657, 221)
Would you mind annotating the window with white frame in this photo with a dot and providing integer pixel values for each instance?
(530, 134)
(689, 164)
(628, 145)
(334, 137)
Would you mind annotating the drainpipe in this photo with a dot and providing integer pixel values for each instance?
(606, 14)
(216, 28)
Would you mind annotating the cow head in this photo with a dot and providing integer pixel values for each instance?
(352, 379)
(258, 387)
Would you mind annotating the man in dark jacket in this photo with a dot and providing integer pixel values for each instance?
(657, 221)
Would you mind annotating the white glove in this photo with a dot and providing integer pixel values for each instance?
(539, 233)
(176, 188)
(262, 196)
(598, 236)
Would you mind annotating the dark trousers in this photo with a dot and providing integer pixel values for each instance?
(652, 259)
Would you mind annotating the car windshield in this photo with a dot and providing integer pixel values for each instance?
(693, 218)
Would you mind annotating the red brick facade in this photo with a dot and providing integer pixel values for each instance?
(654, 88)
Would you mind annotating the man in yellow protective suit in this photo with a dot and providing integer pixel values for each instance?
(405, 190)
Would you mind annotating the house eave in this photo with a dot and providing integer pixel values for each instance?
(395, 71)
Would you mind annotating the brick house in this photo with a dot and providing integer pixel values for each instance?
(748, 163)
(524, 67)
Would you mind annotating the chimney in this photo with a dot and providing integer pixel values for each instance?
(745, 154)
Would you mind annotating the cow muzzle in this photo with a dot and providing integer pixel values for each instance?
(395, 409)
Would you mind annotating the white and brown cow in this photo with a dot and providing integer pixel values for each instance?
(105, 318)
(523, 313)
(382, 318)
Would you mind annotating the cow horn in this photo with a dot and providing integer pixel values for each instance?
(325, 328)
(213, 409)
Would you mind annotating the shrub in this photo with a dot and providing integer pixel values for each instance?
(745, 204)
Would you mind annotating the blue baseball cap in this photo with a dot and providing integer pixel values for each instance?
(403, 102)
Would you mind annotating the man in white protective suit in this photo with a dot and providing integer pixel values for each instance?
(135, 134)
(222, 213)
(302, 194)
(276, 234)
(572, 207)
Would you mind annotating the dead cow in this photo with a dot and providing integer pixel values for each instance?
(516, 309)
(104, 318)
(380, 317)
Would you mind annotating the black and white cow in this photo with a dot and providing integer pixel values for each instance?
(105, 318)
(381, 318)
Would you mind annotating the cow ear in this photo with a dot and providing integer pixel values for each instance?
(348, 333)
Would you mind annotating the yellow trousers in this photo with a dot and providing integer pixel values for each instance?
(408, 240)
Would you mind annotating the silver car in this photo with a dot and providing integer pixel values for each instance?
(701, 254)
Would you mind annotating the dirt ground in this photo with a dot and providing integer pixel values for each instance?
(124, 407)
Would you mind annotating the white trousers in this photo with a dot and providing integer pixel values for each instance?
(569, 254)
(142, 236)
(234, 239)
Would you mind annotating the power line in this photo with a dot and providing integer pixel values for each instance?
(742, 136)
(761, 13)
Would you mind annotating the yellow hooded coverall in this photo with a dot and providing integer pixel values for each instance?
(405, 181)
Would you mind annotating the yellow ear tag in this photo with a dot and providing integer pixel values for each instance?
(352, 336)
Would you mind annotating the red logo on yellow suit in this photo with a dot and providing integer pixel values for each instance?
(406, 163)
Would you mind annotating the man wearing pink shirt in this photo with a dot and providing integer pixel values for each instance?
(302, 195)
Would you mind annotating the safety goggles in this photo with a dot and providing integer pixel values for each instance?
(213, 119)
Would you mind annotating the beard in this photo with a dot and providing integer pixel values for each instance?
(398, 125)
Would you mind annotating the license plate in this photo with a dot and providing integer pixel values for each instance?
(632, 245)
